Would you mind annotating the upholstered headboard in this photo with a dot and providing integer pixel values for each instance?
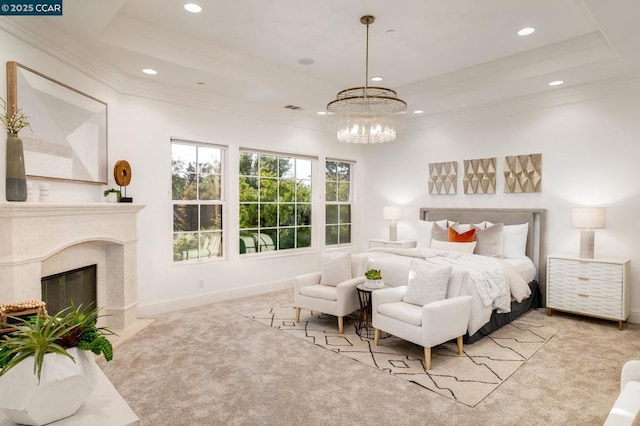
(535, 218)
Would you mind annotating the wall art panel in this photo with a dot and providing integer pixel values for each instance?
(480, 176)
(443, 178)
(523, 173)
(68, 134)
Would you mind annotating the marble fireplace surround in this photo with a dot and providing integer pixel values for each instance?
(41, 239)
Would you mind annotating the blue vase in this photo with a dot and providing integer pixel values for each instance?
(16, 181)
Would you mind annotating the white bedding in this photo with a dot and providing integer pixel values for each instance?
(524, 266)
(491, 284)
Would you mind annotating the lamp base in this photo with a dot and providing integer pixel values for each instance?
(586, 243)
(393, 231)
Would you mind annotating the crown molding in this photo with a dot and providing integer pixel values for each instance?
(78, 56)
(67, 50)
(574, 94)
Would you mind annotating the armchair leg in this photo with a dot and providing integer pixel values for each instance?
(297, 314)
(459, 345)
(340, 325)
(376, 337)
(427, 358)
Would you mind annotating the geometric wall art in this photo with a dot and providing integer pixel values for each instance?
(523, 173)
(443, 178)
(480, 176)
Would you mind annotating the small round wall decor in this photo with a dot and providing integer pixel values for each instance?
(122, 173)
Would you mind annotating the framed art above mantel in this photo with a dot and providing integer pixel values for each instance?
(68, 135)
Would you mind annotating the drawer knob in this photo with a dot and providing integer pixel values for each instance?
(583, 295)
(583, 278)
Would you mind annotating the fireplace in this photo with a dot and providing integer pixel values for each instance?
(44, 239)
(70, 288)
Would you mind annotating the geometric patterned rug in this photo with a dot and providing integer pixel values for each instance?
(467, 378)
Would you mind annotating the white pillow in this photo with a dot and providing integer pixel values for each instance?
(427, 284)
(464, 227)
(424, 231)
(460, 247)
(335, 268)
(514, 240)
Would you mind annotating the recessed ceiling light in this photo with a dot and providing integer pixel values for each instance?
(376, 78)
(526, 31)
(418, 111)
(192, 7)
(150, 71)
(322, 112)
(556, 83)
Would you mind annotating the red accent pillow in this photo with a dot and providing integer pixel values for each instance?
(462, 237)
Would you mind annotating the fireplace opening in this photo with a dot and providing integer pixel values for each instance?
(78, 286)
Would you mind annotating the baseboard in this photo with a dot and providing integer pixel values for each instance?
(634, 317)
(146, 310)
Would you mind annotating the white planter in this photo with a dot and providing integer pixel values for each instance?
(374, 283)
(111, 197)
(63, 387)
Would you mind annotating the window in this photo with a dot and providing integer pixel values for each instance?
(198, 200)
(275, 202)
(338, 199)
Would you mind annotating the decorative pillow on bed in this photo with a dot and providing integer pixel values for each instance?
(514, 240)
(490, 240)
(335, 268)
(425, 228)
(460, 247)
(439, 232)
(427, 283)
(453, 236)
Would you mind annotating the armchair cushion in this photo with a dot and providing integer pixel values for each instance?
(426, 283)
(320, 292)
(335, 268)
(405, 312)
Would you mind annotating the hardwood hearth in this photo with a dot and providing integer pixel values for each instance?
(41, 239)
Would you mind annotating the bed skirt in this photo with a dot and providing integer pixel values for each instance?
(499, 320)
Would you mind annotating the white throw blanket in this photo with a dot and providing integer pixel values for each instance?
(487, 273)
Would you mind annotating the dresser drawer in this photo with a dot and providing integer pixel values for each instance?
(585, 303)
(586, 270)
(586, 286)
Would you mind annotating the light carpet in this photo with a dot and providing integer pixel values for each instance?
(468, 378)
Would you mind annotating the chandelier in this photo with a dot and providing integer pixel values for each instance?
(367, 114)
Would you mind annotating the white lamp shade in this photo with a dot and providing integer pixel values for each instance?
(589, 217)
(392, 213)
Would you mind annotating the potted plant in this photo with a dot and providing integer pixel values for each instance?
(46, 366)
(113, 195)
(374, 279)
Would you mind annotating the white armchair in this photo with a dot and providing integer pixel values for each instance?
(429, 325)
(625, 409)
(340, 300)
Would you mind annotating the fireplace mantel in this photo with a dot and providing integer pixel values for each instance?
(31, 233)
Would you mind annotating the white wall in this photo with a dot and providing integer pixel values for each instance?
(590, 152)
(139, 132)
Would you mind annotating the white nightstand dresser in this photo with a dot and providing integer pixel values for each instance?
(593, 287)
(381, 242)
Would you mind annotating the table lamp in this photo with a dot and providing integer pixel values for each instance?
(393, 214)
(587, 219)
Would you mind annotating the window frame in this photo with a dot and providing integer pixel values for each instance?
(312, 216)
(337, 202)
(222, 202)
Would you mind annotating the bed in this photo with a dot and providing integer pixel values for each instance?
(530, 268)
